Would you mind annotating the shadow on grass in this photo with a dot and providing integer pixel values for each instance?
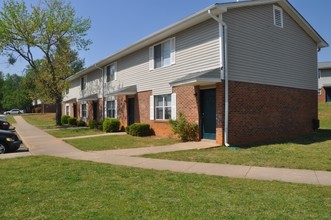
(317, 137)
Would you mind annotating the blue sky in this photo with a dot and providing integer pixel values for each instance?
(117, 24)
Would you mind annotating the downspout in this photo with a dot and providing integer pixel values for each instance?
(103, 92)
(224, 69)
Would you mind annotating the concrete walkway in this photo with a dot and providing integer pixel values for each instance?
(41, 143)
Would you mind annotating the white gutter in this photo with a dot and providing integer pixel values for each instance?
(103, 91)
(224, 69)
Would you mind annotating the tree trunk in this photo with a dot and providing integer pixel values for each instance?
(58, 111)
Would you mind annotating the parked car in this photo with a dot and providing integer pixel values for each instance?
(3, 118)
(13, 111)
(5, 125)
(9, 142)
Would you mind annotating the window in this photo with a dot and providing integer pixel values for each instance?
(111, 109)
(84, 110)
(83, 83)
(162, 107)
(278, 16)
(67, 91)
(162, 54)
(111, 72)
(319, 91)
(67, 109)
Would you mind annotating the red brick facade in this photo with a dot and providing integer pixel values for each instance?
(322, 95)
(257, 113)
(263, 113)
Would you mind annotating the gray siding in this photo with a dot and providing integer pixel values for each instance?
(197, 49)
(325, 79)
(260, 52)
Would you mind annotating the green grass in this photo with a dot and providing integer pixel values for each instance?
(324, 115)
(118, 142)
(44, 121)
(11, 119)
(73, 132)
(53, 188)
(309, 152)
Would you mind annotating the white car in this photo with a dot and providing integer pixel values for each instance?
(13, 111)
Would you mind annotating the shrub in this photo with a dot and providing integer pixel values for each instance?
(139, 129)
(81, 123)
(64, 119)
(93, 124)
(72, 121)
(111, 125)
(185, 130)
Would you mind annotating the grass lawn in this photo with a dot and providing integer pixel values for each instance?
(73, 132)
(308, 152)
(11, 119)
(53, 188)
(44, 121)
(118, 142)
(324, 115)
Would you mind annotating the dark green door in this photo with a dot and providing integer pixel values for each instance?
(130, 111)
(208, 114)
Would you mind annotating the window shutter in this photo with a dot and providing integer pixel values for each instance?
(173, 50)
(115, 103)
(151, 107)
(87, 112)
(105, 109)
(81, 111)
(115, 74)
(173, 106)
(151, 58)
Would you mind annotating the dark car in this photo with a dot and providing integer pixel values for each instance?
(9, 142)
(5, 125)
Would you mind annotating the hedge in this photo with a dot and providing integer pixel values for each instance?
(139, 129)
(64, 119)
(111, 125)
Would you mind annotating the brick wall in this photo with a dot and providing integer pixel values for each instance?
(322, 97)
(122, 113)
(262, 113)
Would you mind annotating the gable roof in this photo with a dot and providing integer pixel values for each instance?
(199, 17)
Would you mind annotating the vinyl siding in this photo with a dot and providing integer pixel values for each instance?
(197, 49)
(260, 52)
(325, 79)
(93, 86)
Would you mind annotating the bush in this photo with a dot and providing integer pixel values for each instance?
(81, 123)
(93, 124)
(111, 125)
(185, 130)
(64, 119)
(139, 129)
(72, 121)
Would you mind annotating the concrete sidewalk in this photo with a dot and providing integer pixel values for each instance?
(41, 143)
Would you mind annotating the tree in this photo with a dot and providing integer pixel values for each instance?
(51, 29)
(14, 95)
(1, 86)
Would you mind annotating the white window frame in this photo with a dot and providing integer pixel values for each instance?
(67, 109)
(172, 49)
(319, 92)
(83, 83)
(81, 111)
(275, 9)
(108, 78)
(172, 107)
(114, 108)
